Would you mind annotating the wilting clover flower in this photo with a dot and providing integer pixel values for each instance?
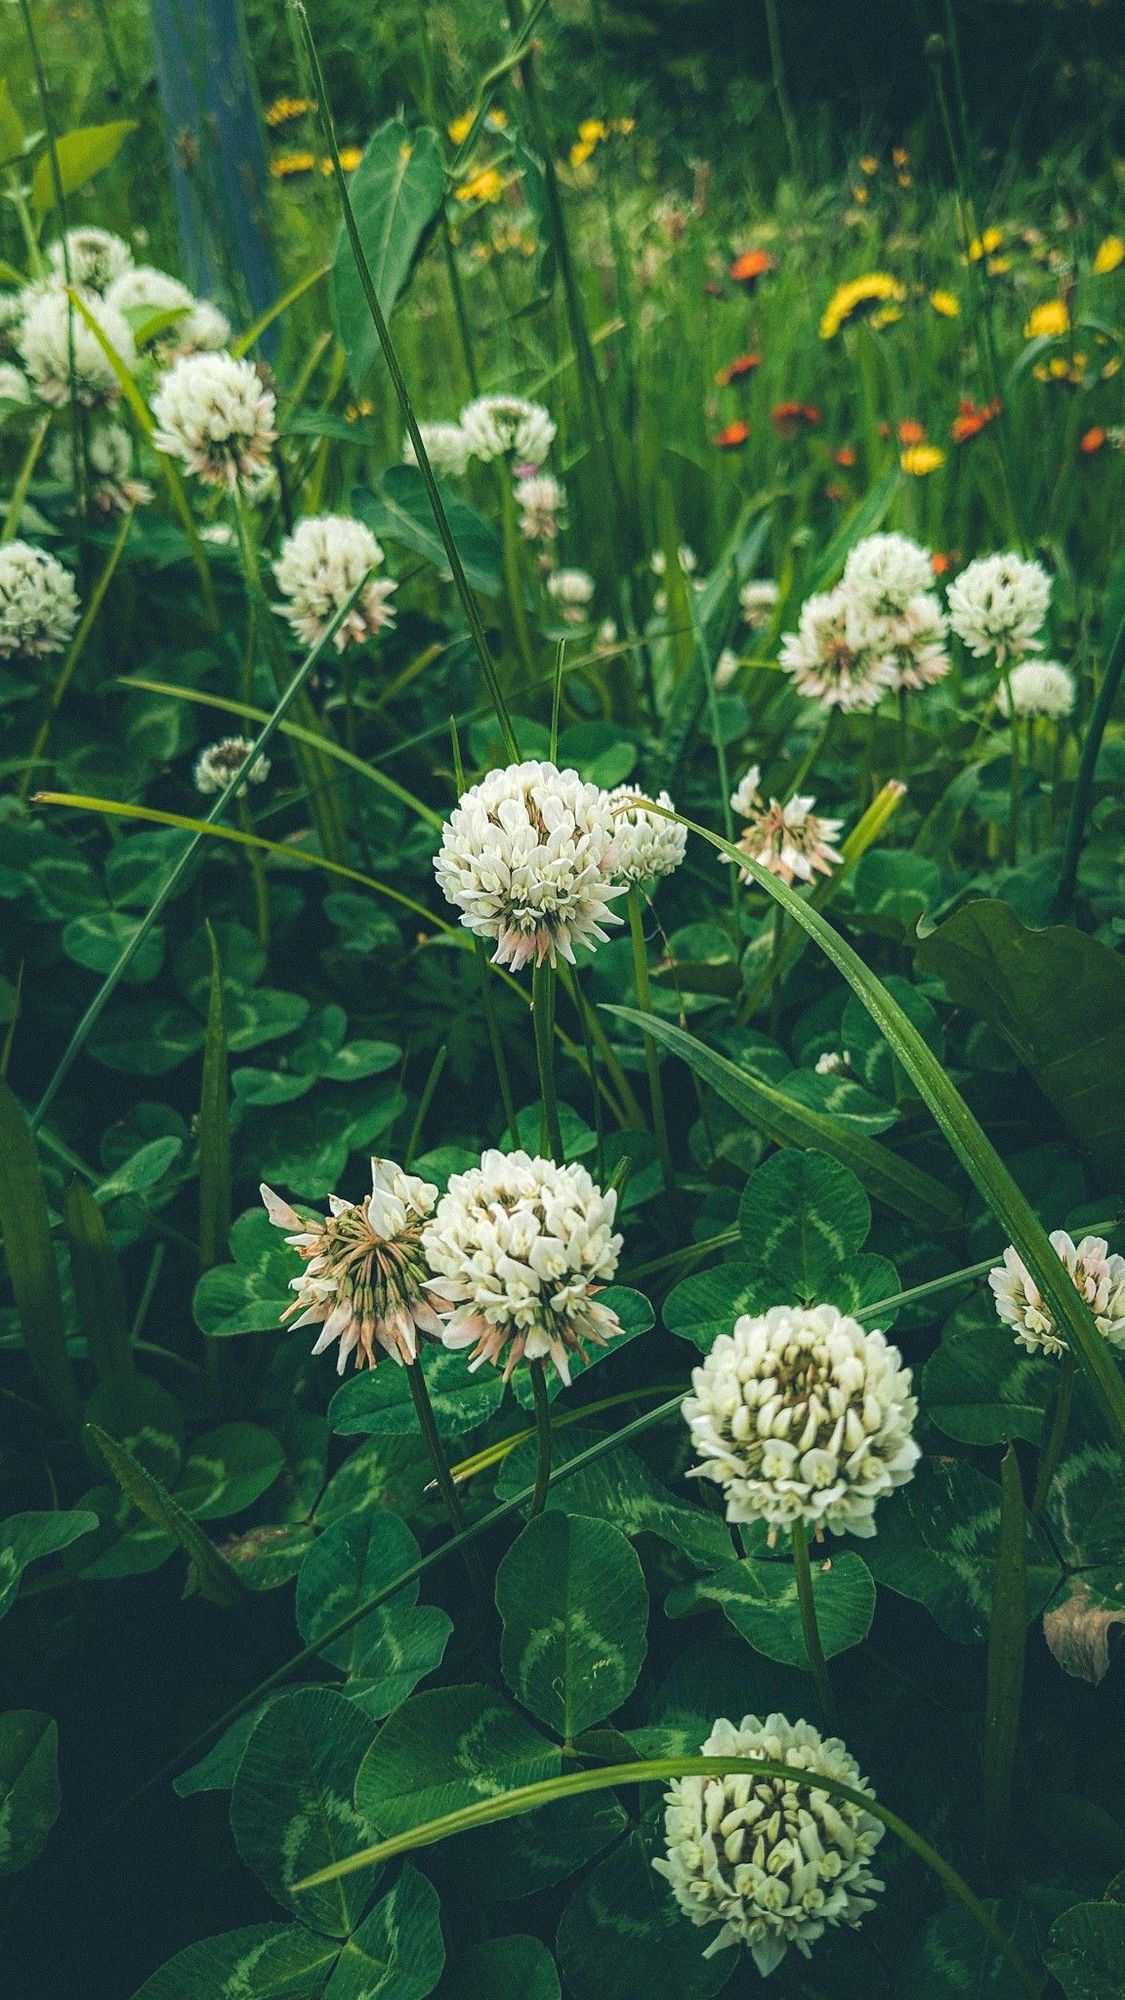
(320, 565)
(109, 460)
(445, 445)
(799, 1414)
(214, 412)
(518, 1247)
(883, 573)
(502, 426)
(365, 1276)
(144, 293)
(758, 599)
(647, 845)
(1039, 687)
(998, 604)
(217, 764)
(92, 258)
(13, 384)
(572, 590)
(526, 856)
(791, 840)
(1098, 1276)
(38, 602)
(830, 656)
(773, 1861)
(540, 498)
(53, 335)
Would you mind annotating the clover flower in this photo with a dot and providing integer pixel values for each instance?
(214, 412)
(320, 565)
(799, 1414)
(1039, 687)
(13, 384)
(913, 640)
(217, 764)
(446, 446)
(688, 560)
(775, 1862)
(109, 459)
(758, 599)
(831, 656)
(998, 604)
(883, 573)
(518, 1247)
(791, 840)
(526, 856)
(143, 293)
(647, 845)
(365, 1276)
(13, 305)
(38, 602)
(502, 426)
(53, 335)
(572, 590)
(92, 258)
(1098, 1276)
(540, 498)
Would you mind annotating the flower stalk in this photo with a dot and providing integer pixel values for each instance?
(818, 1665)
(652, 1059)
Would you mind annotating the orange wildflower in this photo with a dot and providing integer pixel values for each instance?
(750, 266)
(1093, 440)
(845, 456)
(971, 419)
(910, 431)
(738, 369)
(790, 418)
(732, 437)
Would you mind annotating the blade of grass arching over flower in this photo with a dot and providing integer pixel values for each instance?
(265, 736)
(441, 520)
(265, 320)
(966, 1138)
(660, 1771)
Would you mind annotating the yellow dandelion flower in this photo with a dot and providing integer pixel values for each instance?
(1108, 256)
(918, 459)
(900, 156)
(287, 164)
(580, 152)
(487, 184)
(868, 163)
(350, 157)
(625, 126)
(945, 303)
(875, 297)
(986, 244)
(593, 129)
(354, 411)
(860, 194)
(284, 108)
(906, 180)
(460, 128)
(996, 266)
(1052, 318)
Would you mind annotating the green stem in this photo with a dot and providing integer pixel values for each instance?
(629, 1112)
(513, 578)
(427, 1422)
(818, 1665)
(781, 89)
(1053, 1449)
(543, 1434)
(73, 654)
(459, 307)
(543, 1021)
(652, 1059)
(1014, 774)
(23, 480)
(1007, 1638)
(424, 1103)
(257, 874)
(496, 1042)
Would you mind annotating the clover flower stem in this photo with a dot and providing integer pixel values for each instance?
(1056, 1437)
(1014, 774)
(644, 1002)
(543, 1434)
(424, 1103)
(257, 873)
(630, 1114)
(23, 480)
(597, 1108)
(427, 1423)
(496, 1042)
(902, 731)
(811, 757)
(460, 310)
(543, 1021)
(513, 580)
(818, 1665)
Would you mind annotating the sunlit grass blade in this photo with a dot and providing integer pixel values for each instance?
(30, 1255)
(99, 1289)
(265, 320)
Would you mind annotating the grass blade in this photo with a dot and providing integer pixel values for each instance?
(216, 1579)
(214, 1126)
(26, 1227)
(98, 1285)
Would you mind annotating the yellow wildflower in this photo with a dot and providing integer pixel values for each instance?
(350, 157)
(292, 163)
(986, 244)
(875, 297)
(1109, 255)
(625, 126)
(580, 152)
(460, 128)
(593, 129)
(900, 156)
(284, 108)
(487, 184)
(868, 163)
(918, 459)
(354, 411)
(860, 194)
(1052, 317)
(945, 303)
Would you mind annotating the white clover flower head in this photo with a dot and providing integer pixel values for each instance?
(13, 305)
(95, 258)
(13, 384)
(320, 564)
(607, 632)
(883, 573)
(791, 840)
(365, 1277)
(1039, 687)
(830, 656)
(998, 604)
(648, 845)
(832, 1062)
(1097, 1274)
(218, 763)
(53, 332)
(38, 602)
(215, 414)
(572, 590)
(109, 460)
(527, 857)
(746, 799)
(914, 641)
(144, 293)
(726, 667)
(446, 446)
(799, 1414)
(758, 599)
(518, 1247)
(689, 561)
(775, 1862)
(499, 426)
(540, 498)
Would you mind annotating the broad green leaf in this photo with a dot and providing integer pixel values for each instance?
(402, 1646)
(447, 1748)
(26, 1229)
(98, 1285)
(250, 1295)
(623, 1936)
(266, 1557)
(1058, 997)
(145, 1418)
(802, 1217)
(216, 1771)
(378, 1401)
(707, 1304)
(291, 1809)
(79, 155)
(620, 1488)
(399, 511)
(398, 1952)
(228, 1469)
(534, 1853)
(760, 1601)
(395, 192)
(953, 1960)
(635, 1316)
(96, 938)
(24, 1538)
(981, 1387)
(937, 1544)
(29, 1786)
(142, 1170)
(1087, 1951)
(385, 1472)
(262, 1962)
(508, 1968)
(1086, 1506)
(350, 1563)
(146, 1037)
(214, 1575)
(572, 1596)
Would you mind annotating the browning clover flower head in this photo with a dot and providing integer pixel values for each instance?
(799, 1414)
(38, 602)
(214, 413)
(1098, 1276)
(914, 641)
(1039, 687)
(365, 1276)
(95, 257)
(53, 333)
(791, 840)
(518, 1247)
(833, 655)
(758, 599)
(775, 1862)
(526, 856)
(648, 845)
(499, 426)
(998, 604)
(217, 764)
(320, 565)
(540, 498)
